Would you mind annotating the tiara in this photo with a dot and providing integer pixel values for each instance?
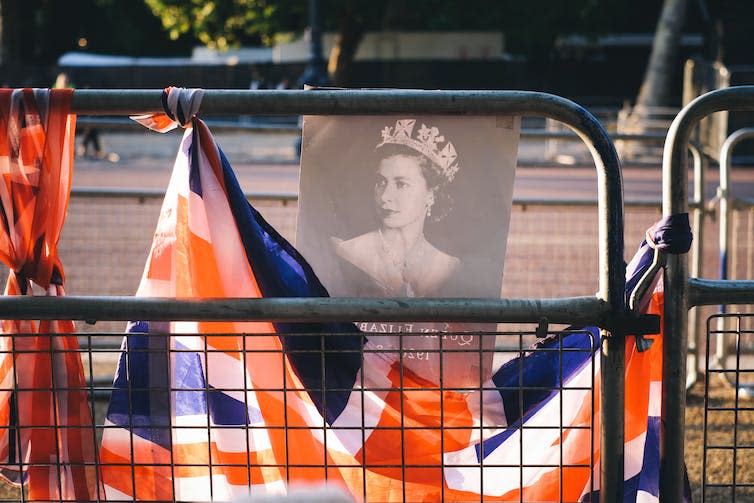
(426, 142)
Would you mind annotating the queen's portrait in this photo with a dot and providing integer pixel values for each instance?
(413, 168)
(410, 206)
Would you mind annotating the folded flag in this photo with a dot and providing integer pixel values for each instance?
(215, 410)
(46, 434)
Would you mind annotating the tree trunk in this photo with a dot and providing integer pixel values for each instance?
(9, 32)
(352, 27)
(655, 88)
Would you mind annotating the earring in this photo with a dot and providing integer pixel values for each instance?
(429, 210)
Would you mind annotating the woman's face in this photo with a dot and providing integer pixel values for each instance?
(400, 192)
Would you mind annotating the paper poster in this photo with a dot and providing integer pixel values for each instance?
(410, 206)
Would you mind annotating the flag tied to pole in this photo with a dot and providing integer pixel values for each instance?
(46, 434)
(198, 416)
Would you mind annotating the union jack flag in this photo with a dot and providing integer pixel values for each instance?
(46, 435)
(215, 410)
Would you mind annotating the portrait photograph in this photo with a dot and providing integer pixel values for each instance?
(407, 206)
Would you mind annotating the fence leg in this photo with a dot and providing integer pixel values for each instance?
(612, 434)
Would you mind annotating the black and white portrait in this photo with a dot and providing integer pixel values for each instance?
(407, 206)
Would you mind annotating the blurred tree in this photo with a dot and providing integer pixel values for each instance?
(530, 27)
(655, 89)
(129, 28)
(226, 23)
(38, 31)
(31, 29)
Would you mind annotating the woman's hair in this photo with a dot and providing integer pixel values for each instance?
(435, 155)
(431, 172)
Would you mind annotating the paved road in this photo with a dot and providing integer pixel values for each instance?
(552, 252)
(266, 162)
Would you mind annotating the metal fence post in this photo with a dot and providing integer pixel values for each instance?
(725, 227)
(675, 200)
(697, 252)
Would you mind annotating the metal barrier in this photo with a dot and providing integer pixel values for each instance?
(607, 310)
(683, 292)
(727, 203)
(728, 444)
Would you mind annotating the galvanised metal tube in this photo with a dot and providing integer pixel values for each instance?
(675, 200)
(137, 193)
(725, 233)
(569, 310)
(140, 193)
(710, 292)
(383, 102)
(697, 248)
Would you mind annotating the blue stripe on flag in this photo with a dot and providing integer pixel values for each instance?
(140, 400)
(192, 393)
(650, 469)
(648, 479)
(542, 370)
(281, 271)
(190, 384)
(195, 181)
(226, 410)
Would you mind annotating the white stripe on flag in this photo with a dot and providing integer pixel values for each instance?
(197, 220)
(198, 488)
(227, 245)
(491, 405)
(655, 399)
(370, 403)
(645, 497)
(112, 494)
(634, 455)
(540, 446)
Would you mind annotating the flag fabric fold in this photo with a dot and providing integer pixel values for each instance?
(46, 434)
(211, 410)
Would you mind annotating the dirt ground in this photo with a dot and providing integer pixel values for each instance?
(729, 455)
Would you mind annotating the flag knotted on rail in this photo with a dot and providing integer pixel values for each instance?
(202, 416)
(46, 435)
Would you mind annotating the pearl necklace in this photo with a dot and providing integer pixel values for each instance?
(415, 253)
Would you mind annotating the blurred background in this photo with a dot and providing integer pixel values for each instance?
(594, 52)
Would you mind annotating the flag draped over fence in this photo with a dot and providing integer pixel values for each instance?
(203, 416)
(46, 435)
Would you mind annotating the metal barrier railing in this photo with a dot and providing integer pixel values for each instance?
(683, 292)
(607, 310)
(727, 427)
(727, 203)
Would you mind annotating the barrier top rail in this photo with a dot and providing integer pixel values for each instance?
(678, 283)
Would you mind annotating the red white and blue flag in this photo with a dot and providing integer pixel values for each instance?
(264, 406)
(46, 436)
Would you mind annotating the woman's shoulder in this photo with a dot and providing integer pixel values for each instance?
(439, 258)
(357, 246)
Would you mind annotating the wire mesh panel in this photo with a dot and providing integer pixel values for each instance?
(728, 443)
(195, 418)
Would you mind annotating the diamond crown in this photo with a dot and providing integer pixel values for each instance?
(426, 141)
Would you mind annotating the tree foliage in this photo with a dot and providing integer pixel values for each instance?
(225, 23)
(655, 89)
(39, 31)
